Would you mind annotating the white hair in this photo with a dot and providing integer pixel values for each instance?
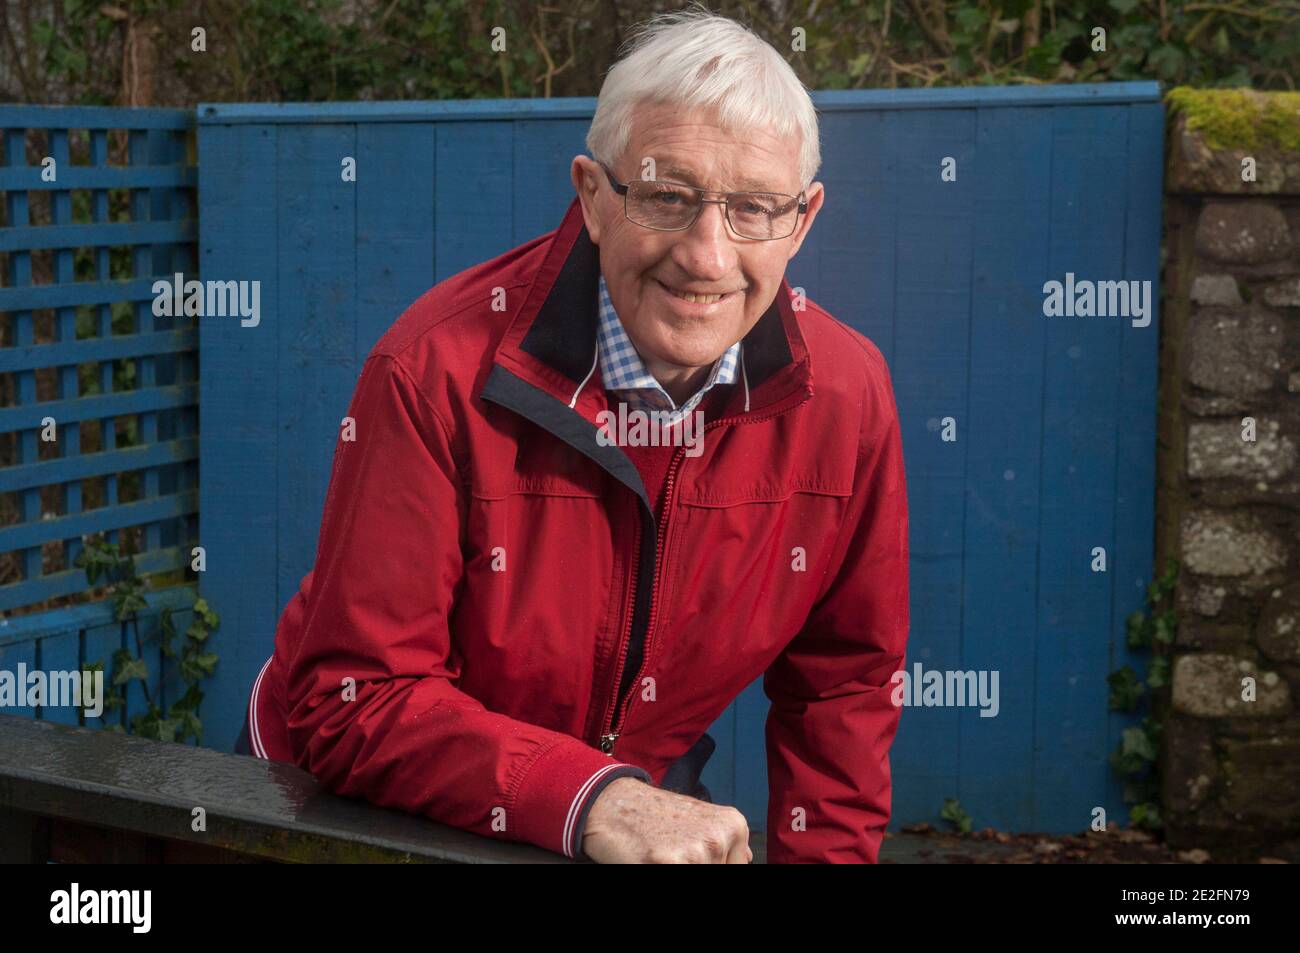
(695, 58)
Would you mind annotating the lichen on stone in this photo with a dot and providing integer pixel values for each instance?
(1240, 118)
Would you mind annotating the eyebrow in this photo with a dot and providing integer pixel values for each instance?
(691, 178)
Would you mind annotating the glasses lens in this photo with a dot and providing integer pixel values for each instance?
(762, 216)
(661, 204)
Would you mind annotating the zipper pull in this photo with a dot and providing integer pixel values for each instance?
(607, 743)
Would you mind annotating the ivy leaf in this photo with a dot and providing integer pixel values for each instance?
(197, 665)
(970, 19)
(1134, 753)
(1140, 637)
(1134, 624)
(133, 669)
(204, 611)
(190, 726)
(1158, 672)
(1170, 577)
(1146, 815)
(1125, 689)
(134, 602)
(189, 701)
(953, 813)
(1136, 741)
(145, 725)
(1125, 764)
(1167, 61)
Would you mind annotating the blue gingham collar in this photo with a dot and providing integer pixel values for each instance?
(621, 367)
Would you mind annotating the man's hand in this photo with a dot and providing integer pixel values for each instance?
(632, 822)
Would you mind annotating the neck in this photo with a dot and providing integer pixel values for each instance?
(680, 382)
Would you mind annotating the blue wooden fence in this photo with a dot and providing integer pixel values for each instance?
(96, 203)
(1055, 417)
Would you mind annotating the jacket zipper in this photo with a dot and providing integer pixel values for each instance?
(622, 697)
(605, 740)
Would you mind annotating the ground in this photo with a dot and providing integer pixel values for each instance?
(922, 844)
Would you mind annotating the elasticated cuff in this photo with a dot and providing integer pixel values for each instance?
(556, 794)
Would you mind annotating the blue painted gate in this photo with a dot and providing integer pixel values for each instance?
(95, 202)
(1054, 418)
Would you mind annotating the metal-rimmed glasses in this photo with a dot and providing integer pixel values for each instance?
(673, 207)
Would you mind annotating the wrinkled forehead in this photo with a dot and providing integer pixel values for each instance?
(755, 159)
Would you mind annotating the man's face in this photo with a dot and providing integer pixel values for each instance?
(643, 266)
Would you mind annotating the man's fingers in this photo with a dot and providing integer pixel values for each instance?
(740, 852)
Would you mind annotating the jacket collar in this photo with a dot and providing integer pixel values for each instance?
(551, 343)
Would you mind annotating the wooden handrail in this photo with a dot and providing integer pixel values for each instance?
(86, 795)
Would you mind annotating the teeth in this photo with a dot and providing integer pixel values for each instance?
(698, 299)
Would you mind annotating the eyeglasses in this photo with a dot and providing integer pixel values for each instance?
(672, 207)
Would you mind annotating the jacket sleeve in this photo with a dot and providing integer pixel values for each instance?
(373, 705)
(831, 721)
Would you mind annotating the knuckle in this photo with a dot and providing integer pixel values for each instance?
(708, 851)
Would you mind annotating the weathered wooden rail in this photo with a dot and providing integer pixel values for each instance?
(81, 795)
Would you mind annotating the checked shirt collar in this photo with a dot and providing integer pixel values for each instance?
(623, 371)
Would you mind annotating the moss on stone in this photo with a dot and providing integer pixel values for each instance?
(1240, 118)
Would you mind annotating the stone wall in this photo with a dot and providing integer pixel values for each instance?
(1229, 494)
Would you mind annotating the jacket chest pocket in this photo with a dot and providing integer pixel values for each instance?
(744, 574)
(542, 554)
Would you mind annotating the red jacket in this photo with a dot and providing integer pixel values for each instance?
(496, 624)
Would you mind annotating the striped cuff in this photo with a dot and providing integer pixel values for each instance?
(598, 784)
(555, 796)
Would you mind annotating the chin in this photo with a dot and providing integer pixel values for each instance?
(694, 357)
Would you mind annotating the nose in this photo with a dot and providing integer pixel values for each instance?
(705, 250)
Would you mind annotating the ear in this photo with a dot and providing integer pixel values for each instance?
(815, 195)
(586, 175)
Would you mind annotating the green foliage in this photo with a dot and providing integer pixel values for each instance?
(953, 813)
(332, 50)
(1125, 689)
(317, 50)
(977, 42)
(105, 563)
(1136, 759)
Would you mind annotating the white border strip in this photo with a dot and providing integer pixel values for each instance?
(571, 821)
(254, 735)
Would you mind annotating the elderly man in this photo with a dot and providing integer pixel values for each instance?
(525, 610)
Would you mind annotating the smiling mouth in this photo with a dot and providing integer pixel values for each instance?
(694, 298)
